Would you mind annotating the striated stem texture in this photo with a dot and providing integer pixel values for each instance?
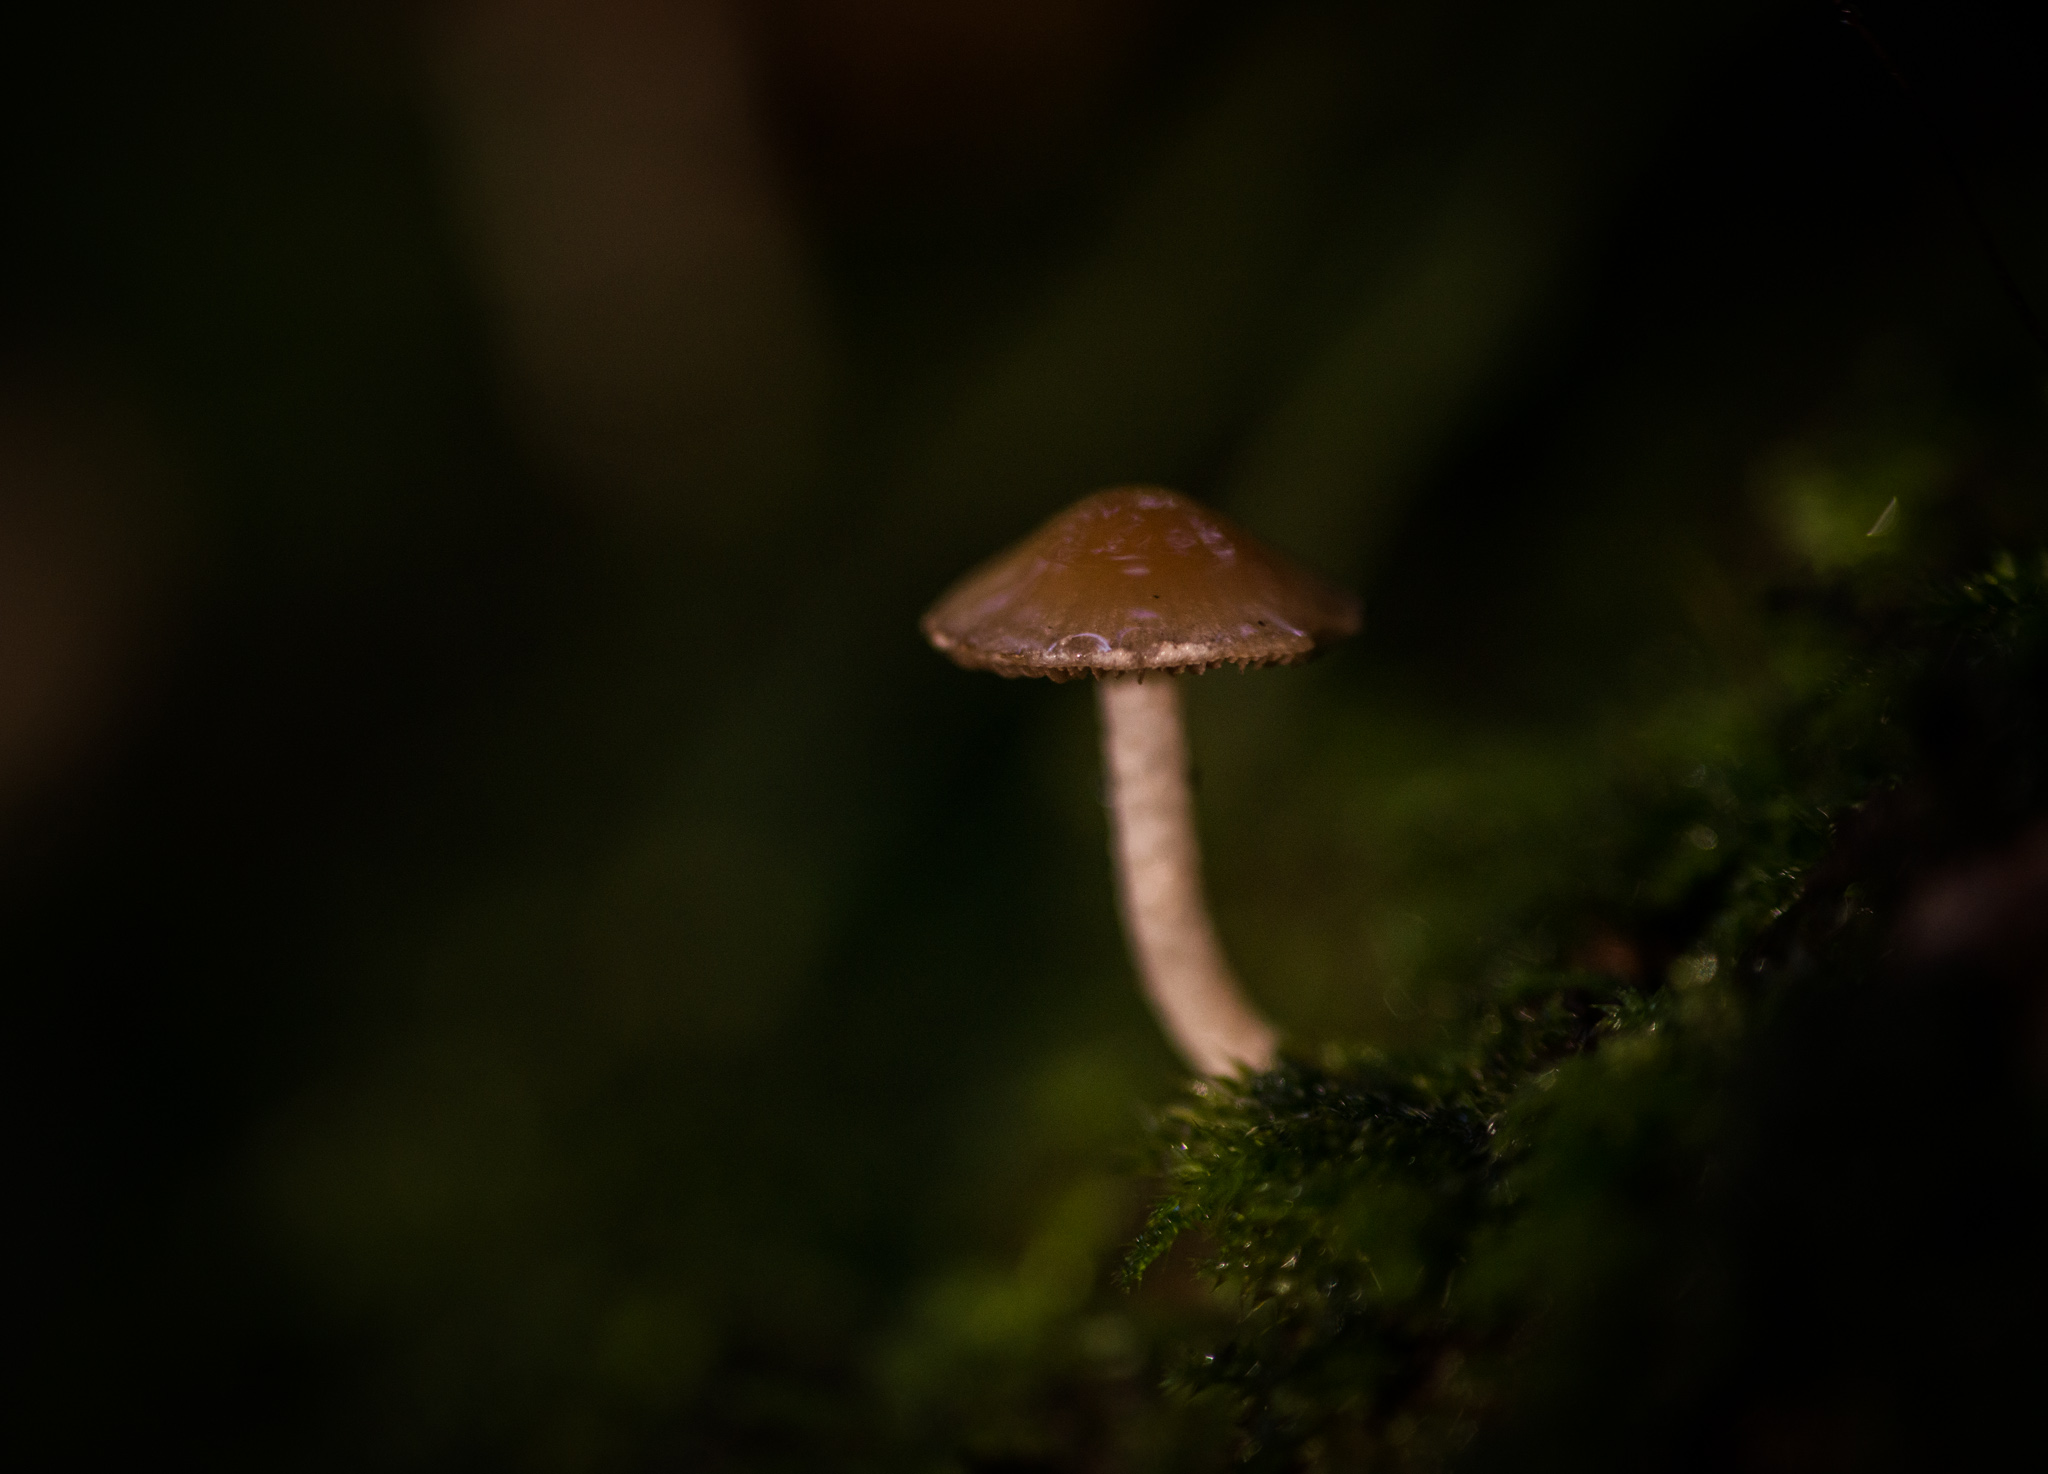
(1159, 881)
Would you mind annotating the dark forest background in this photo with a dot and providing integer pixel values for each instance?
(516, 956)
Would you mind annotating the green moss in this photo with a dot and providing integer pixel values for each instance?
(1463, 1240)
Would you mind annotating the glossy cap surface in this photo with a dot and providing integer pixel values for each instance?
(1137, 579)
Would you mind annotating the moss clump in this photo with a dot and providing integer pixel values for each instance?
(1687, 1214)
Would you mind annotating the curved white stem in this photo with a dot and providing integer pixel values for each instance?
(1159, 881)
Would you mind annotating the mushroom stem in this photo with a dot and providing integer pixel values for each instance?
(1159, 881)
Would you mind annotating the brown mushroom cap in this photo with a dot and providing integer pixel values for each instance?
(1137, 579)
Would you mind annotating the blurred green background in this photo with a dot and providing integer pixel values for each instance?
(521, 958)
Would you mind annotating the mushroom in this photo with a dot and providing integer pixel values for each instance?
(1128, 583)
